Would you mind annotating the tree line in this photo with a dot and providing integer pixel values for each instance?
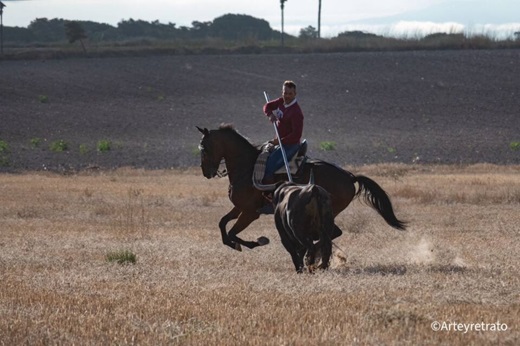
(236, 28)
(227, 27)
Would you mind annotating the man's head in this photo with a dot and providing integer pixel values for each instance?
(288, 91)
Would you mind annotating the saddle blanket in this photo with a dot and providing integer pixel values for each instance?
(259, 170)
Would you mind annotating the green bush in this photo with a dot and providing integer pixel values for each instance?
(83, 149)
(59, 146)
(43, 98)
(514, 145)
(4, 153)
(121, 257)
(4, 147)
(103, 145)
(35, 142)
(327, 146)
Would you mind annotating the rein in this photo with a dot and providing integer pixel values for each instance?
(222, 172)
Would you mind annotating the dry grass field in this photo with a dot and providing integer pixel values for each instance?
(457, 263)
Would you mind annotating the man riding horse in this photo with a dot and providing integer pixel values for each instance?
(242, 159)
(286, 114)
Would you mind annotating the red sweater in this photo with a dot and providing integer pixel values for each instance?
(290, 125)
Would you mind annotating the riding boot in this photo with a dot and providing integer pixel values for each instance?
(268, 181)
(268, 207)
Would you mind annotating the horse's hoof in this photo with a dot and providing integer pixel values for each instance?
(238, 247)
(262, 241)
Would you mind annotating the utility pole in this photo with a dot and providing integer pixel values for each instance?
(319, 18)
(2, 28)
(282, 5)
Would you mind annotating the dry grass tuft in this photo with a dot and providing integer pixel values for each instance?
(457, 262)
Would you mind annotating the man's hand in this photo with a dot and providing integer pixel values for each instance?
(275, 115)
(274, 141)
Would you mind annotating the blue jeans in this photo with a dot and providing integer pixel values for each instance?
(275, 159)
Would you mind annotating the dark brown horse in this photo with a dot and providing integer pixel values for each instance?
(225, 143)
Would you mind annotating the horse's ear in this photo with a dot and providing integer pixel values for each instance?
(203, 131)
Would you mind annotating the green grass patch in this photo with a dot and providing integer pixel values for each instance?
(515, 145)
(35, 142)
(4, 153)
(121, 257)
(4, 147)
(43, 98)
(159, 96)
(59, 146)
(327, 145)
(104, 145)
(83, 149)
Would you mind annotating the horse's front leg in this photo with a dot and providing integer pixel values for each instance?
(232, 215)
(244, 220)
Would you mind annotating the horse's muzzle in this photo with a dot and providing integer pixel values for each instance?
(209, 174)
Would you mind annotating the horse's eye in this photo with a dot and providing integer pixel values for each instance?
(203, 151)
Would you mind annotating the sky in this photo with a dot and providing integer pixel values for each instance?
(337, 15)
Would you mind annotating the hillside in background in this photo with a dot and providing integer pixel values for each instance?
(228, 27)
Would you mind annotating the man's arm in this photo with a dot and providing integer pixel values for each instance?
(270, 106)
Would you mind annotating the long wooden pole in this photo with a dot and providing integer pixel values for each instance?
(285, 161)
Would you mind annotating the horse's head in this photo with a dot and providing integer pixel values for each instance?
(210, 154)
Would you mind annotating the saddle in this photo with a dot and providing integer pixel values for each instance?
(295, 163)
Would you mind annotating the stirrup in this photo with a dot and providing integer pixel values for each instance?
(268, 196)
(267, 209)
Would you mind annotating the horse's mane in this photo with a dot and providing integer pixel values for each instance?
(227, 126)
(230, 128)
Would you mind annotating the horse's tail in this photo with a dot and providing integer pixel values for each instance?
(377, 198)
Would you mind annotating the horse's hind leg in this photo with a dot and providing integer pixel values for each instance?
(232, 215)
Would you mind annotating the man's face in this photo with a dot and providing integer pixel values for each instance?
(288, 94)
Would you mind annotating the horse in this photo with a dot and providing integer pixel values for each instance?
(302, 214)
(239, 155)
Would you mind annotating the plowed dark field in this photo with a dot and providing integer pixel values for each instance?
(424, 107)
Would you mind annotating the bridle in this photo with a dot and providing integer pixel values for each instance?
(221, 171)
